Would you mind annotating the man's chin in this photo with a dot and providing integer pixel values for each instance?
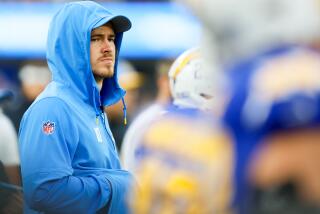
(108, 72)
(103, 75)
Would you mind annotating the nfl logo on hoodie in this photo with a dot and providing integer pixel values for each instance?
(48, 127)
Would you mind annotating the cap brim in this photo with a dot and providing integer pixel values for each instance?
(120, 23)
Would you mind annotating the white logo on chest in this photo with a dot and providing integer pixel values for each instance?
(98, 134)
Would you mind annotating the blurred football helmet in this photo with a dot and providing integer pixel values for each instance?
(191, 85)
(242, 28)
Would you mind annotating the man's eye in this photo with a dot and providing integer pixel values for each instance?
(94, 39)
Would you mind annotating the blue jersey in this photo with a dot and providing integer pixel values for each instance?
(69, 161)
(274, 91)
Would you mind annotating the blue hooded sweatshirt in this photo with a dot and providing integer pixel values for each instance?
(69, 161)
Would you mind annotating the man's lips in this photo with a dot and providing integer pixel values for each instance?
(106, 59)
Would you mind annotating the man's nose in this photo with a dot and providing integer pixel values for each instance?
(106, 46)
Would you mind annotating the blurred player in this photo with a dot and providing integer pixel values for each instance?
(33, 76)
(184, 165)
(274, 99)
(274, 113)
(10, 194)
(132, 136)
(191, 88)
(180, 158)
(9, 155)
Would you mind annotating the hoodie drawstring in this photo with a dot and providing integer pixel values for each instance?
(124, 111)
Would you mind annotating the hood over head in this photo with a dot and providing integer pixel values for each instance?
(68, 50)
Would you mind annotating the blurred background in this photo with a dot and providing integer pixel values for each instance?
(161, 31)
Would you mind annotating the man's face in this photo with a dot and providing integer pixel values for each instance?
(102, 51)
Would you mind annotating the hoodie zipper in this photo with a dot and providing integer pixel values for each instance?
(100, 113)
(102, 116)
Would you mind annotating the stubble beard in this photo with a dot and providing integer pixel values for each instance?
(107, 72)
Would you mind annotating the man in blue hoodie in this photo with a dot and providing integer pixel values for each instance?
(69, 161)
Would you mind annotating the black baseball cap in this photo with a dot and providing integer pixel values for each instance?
(120, 23)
